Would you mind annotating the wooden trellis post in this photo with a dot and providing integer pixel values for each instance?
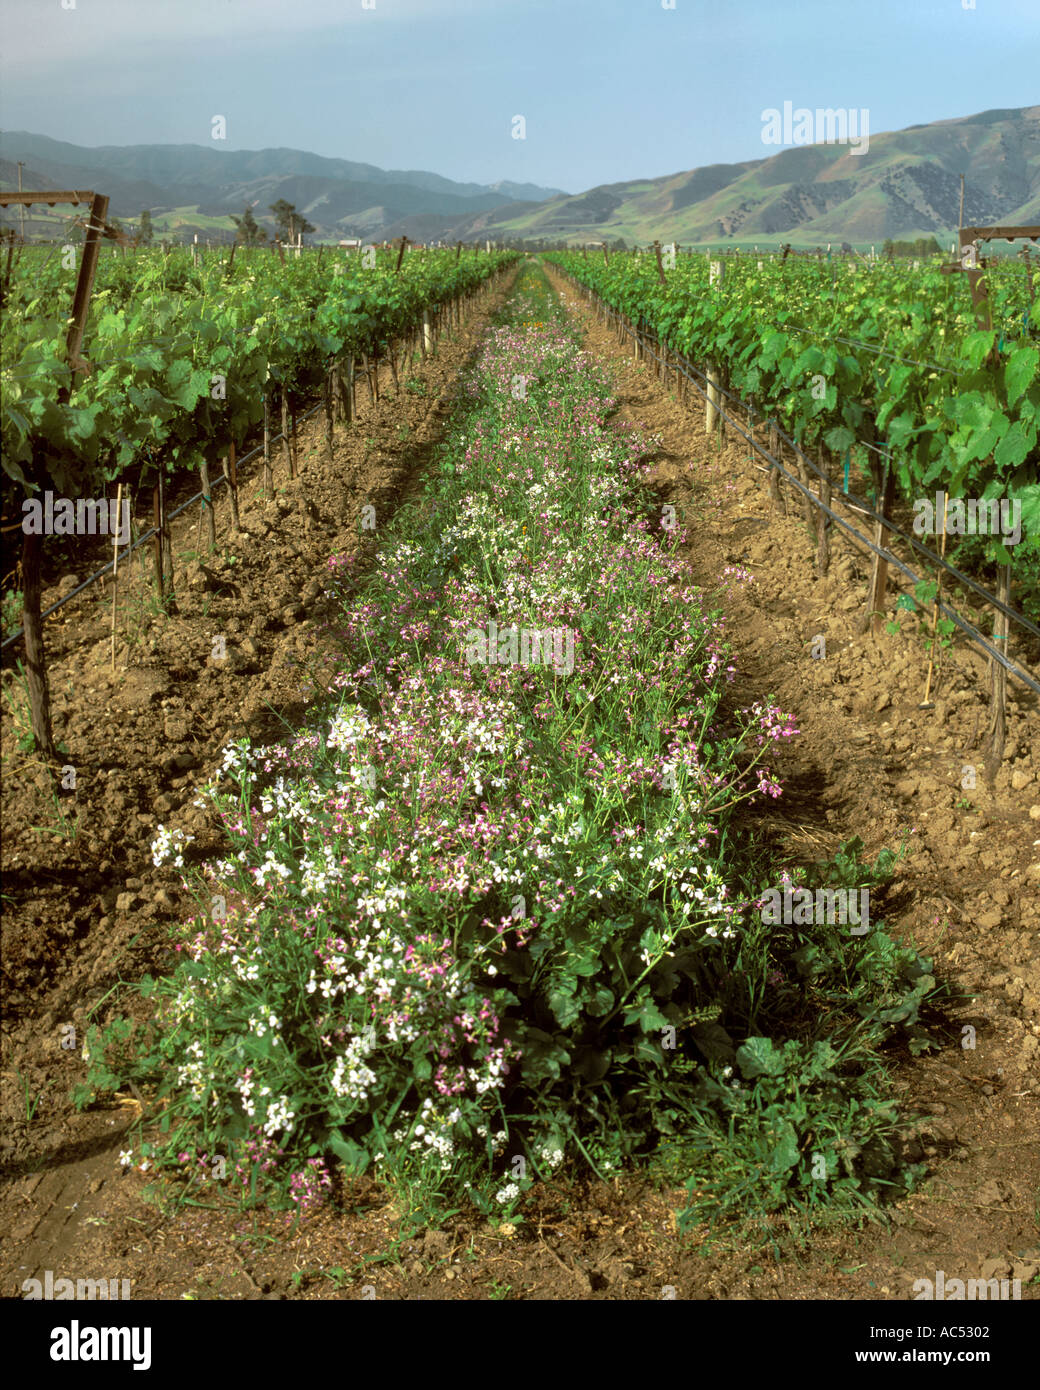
(879, 569)
(32, 543)
(660, 263)
(286, 446)
(998, 680)
(774, 471)
(1025, 258)
(971, 266)
(231, 475)
(327, 402)
(207, 505)
(823, 521)
(712, 417)
(159, 540)
(268, 475)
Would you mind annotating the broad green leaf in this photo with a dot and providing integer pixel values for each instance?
(760, 1057)
(1020, 372)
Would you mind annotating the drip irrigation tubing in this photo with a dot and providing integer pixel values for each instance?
(685, 369)
(850, 498)
(154, 530)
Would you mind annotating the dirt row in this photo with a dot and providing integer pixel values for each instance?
(84, 912)
(871, 762)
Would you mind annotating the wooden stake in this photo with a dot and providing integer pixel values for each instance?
(879, 572)
(207, 506)
(268, 474)
(157, 516)
(167, 541)
(231, 475)
(327, 400)
(809, 512)
(823, 521)
(198, 528)
(998, 682)
(115, 573)
(286, 447)
(35, 659)
(343, 386)
(711, 413)
(926, 704)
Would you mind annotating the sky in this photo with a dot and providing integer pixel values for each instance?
(608, 90)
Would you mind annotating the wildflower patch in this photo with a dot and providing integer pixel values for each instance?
(461, 906)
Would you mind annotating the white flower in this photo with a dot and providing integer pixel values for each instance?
(168, 844)
(279, 1116)
(348, 728)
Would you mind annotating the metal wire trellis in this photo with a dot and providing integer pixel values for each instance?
(686, 369)
(153, 530)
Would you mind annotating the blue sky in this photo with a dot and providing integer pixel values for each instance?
(609, 89)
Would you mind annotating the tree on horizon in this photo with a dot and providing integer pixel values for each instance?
(289, 222)
(250, 232)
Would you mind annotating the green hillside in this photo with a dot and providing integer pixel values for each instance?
(904, 185)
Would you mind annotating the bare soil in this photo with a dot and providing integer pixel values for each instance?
(86, 910)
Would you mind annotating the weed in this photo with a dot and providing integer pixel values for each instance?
(16, 697)
(31, 1106)
(65, 827)
(11, 606)
(485, 918)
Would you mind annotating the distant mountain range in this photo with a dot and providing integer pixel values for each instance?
(906, 184)
(193, 187)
